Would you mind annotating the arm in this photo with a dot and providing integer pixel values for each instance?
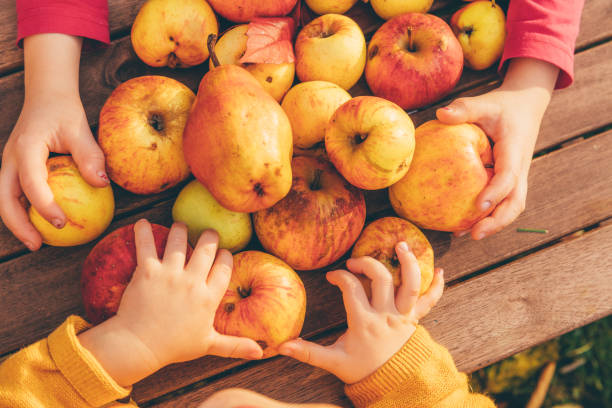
(52, 118)
(79, 366)
(539, 55)
(384, 357)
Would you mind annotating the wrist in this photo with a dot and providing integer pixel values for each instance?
(532, 76)
(120, 352)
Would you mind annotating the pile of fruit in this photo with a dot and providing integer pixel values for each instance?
(289, 162)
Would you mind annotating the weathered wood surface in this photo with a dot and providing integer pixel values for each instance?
(527, 302)
(556, 188)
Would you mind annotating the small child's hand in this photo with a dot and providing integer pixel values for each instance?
(376, 329)
(52, 120)
(510, 115)
(167, 311)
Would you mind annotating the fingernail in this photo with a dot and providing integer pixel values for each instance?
(256, 355)
(485, 206)
(29, 245)
(57, 223)
(103, 176)
(441, 272)
(403, 247)
(463, 233)
(479, 236)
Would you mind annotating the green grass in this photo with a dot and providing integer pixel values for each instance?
(583, 375)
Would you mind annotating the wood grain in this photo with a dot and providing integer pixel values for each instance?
(480, 321)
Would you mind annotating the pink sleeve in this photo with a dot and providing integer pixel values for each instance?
(83, 18)
(544, 30)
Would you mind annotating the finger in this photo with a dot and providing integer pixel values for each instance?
(504, 214)
(176, 247)
(327, 358)
(464, 110)
(235, 347)
(382, 281)
(430, 298)
(89, 158)
(204, 253)
(409, 290)
(33, 179)
(220, 274)
(145, 243)
(460, 234)
(353, 295)
(507, 169)
(12, 212)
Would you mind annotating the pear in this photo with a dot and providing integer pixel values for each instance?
(238, 141)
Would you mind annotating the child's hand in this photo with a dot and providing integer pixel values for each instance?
(376, 329)
(510, 115)
(167, 311)
(52, 120)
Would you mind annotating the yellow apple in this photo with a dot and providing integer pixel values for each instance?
(480, 28)
(388, 9)
(199, 210)
(331, 48)
(173, 32)
(330, 6)
(309, 106)
(89, 210)
(450, 167)
(276, 79)
(141, 133)
(370, 140)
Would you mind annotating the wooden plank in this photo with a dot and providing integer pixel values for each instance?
(121, 16)
(480, 321)
(55, 272)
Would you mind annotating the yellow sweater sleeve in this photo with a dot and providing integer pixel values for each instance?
(421, 374)
(58, 372)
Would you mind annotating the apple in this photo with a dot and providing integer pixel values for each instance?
(109, 268)
(265, 301)
(242, 11)
(378, 240)
(450, 167)
(370, 141)
(199, 210)
(330, 6)
(317, 222)
(141, 133)
(413, 60)
(173, 32)
(89, 210)
(309, 106)
(330, 48)
(388, 9)
(480, 28)
(276, 79)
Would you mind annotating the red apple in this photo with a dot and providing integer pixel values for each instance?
(265, 301)
(141, 133)
(109, 268)
(413, 60)
(317, 222)
(450, 167)
(378, 240)
(243, 11)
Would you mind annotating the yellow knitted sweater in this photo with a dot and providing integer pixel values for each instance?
(59, 372)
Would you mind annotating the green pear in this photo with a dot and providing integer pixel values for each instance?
(199, 210)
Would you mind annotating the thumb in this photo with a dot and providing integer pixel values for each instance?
(462, 110)
(89, 158)
(311, 353)
(235, 347)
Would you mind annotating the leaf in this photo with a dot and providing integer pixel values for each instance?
(269, 41)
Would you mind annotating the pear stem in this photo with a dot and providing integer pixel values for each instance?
(211, 42)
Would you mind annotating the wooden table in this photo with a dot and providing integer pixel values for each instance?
(505, 293)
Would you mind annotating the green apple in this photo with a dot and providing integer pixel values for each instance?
(199, 210)
(388, 9)
(480, 28)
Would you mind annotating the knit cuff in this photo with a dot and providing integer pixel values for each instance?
(399, 369)
(80, 367)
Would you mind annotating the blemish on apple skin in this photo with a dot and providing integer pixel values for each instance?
(229, 307)
(373, 52)
(269, 79)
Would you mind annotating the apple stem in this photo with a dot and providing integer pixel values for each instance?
(410, 43)
(211, 42)
(244, 293)
(492, 3)
(316, 181)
